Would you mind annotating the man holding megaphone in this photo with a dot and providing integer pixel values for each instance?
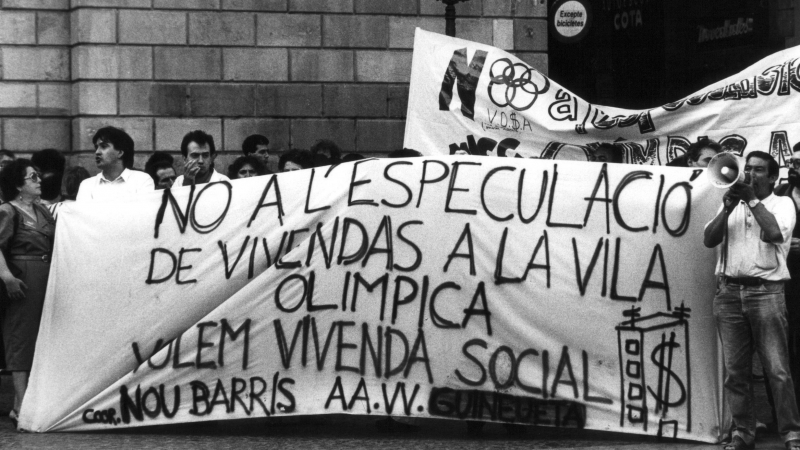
(753, 228)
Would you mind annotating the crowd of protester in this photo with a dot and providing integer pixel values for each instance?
(34, 189)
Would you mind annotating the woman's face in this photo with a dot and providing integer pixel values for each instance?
(32, 185)
(247, 171)
(291, 166)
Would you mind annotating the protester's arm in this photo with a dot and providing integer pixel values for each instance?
(770, 230)
(715, 230)
(13, 284)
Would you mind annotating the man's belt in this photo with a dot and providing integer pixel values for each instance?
(45, 258)
(745, 281)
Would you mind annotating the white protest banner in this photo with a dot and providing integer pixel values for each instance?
(480, 99)
(558, 293)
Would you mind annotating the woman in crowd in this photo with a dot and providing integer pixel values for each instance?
(26, 241)
(246, 167)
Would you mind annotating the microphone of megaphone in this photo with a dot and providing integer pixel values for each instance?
(726, 169)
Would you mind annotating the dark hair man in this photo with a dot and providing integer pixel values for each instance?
(114, 157)
(159, 167)
(51, 163)
(198, 152)
(164, 175)
(257, 145)
(792, 287)
(158, 158)
(697, 154)
(701, 152)
(754, 227)
(6, 156)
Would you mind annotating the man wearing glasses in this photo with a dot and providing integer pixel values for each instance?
(792, 190)
(114, 157)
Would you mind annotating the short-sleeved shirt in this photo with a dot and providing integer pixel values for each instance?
(19, 235)
(748, 255)
(215, 176)
(129, 182)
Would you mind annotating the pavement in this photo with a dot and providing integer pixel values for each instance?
(337, 432)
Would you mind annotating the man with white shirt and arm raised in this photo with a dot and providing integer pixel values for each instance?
(198, 151)
(754, 228)
(114, 157)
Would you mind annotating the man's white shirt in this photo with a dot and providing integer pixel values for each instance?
(748, 255)
(129, 182)
(215, 176)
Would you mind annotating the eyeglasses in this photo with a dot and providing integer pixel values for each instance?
(795, 163)
(35, 177)
(247, 173)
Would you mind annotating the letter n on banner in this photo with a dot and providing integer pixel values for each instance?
(467, 76)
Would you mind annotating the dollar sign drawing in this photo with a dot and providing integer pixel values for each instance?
(665, 374)
(514, 121)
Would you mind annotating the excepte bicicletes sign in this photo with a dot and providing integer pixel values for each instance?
(570, 20)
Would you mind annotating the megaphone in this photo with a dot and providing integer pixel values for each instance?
(726, 169)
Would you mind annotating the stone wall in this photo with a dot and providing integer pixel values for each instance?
(294, 70)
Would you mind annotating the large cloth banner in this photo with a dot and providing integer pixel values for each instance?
(484, 101)
(558, 293)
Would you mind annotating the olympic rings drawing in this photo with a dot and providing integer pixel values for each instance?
(521, 88)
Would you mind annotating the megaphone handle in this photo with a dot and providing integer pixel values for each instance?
(730, 201)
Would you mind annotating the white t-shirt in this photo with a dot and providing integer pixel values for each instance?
(127, 183)
(215, 176)
(748, 255)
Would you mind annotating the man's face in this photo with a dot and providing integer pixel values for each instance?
(703, 159)
(105, 155)
(262, 153)
(794, 169)
(202, 155)
(165, 178)
(761, 181)
(794, 161)
(5, 160)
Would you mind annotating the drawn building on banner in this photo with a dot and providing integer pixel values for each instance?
(655, 374)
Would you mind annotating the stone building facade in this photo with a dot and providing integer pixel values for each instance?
(293, 70)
